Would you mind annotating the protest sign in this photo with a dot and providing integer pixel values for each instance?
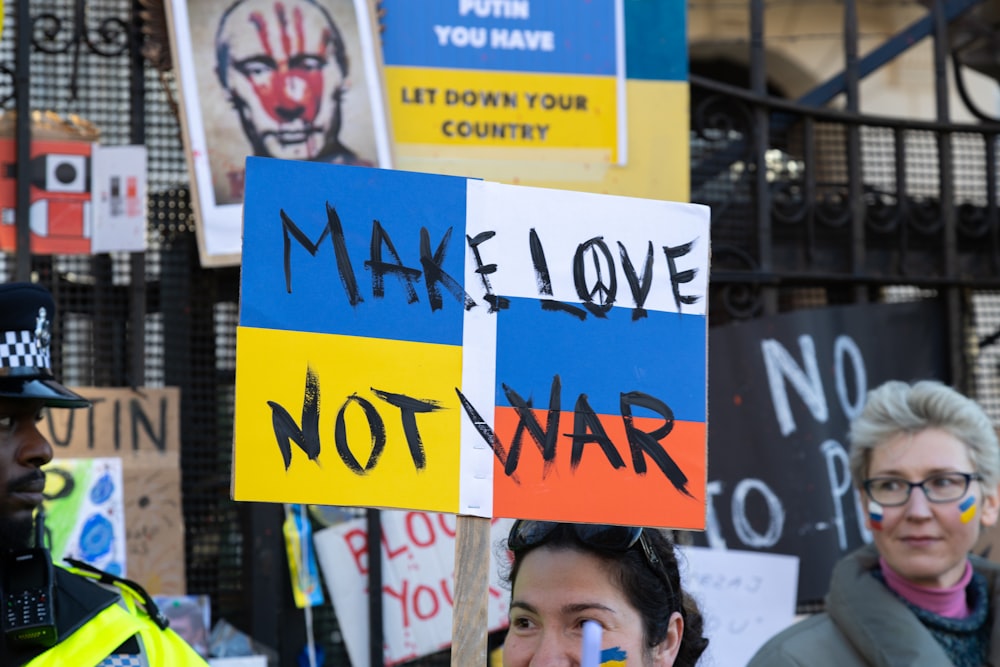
(545, 80)
(435, 343)
(744, 596)
(142, 428)
(784, 390)
(84, 198)
(418, 582)
(534, 92)
(85, 512)
(318, 95)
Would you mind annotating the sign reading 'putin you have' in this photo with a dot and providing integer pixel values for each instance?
(446, 344)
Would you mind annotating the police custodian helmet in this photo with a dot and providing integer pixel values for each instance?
(26, 311)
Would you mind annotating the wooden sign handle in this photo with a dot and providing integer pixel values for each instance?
(472, 582)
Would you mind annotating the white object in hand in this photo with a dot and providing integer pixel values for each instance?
(591, 654)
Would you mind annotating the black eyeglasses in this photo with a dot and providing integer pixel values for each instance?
(526, 534)
(945, 487)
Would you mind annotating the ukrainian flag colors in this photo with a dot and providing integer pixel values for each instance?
(968, 509)
(587, 95)
(469, 112)
(355, 379)
(613, 657)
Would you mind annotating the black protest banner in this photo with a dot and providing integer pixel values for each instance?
(782, 392)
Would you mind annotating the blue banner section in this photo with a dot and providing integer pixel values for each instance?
(566, 37)
(662, 354)
(339, 236)
(656, 46)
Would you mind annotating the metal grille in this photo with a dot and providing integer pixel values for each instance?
(189, 325)
(984, 350)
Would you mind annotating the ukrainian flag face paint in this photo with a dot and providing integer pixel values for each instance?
(967, 509)
(874, 515)
(554, 591)
(613, 657)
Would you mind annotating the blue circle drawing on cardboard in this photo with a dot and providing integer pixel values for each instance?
(96, 537)
(114, 567)
(102, 490)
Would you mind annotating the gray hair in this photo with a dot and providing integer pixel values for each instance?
(897, 408)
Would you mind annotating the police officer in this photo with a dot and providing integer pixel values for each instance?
(88, 618)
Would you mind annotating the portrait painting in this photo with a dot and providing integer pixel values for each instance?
(289, 79)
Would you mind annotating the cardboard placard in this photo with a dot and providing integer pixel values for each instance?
(143, 429)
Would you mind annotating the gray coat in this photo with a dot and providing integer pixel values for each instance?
(865, 624)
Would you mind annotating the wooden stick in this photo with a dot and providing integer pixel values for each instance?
(472, 582)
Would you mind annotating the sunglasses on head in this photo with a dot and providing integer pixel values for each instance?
(526, 534)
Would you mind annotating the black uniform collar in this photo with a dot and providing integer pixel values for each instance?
(78, 600)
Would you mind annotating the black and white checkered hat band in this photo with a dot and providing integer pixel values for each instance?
(20, 350)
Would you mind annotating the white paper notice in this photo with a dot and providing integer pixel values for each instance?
(745, 596)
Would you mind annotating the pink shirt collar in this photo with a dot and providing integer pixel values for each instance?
(949, 602)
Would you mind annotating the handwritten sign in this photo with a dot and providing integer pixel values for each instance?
(784, 390)
(435, 343)
(541, 77)
(142, 428)
(745, 597)
(418, 586)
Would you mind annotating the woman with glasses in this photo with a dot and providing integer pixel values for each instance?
(926, 462)
(624, 578)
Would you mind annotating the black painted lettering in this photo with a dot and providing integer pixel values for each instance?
(117, 420)
(545, 441)
(486, 433)
(406, 274)
(139, 417)
(91, 426)
(639, 286)
(496, 302)
(434, 274)
(587, 428)
(677, 278)
(644, 443)
(336, 231)
(287, 431)
(604, 292)
(409, 407)
(376, 427)
(57, 440)
(544, 280)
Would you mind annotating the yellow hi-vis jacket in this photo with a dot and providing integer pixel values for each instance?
(101, 639)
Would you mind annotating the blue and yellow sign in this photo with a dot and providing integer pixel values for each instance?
(438, 343)
(587, 95)
(472, 77)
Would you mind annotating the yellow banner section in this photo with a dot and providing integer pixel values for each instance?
(498, 109)
(341, 420)
(658, 166)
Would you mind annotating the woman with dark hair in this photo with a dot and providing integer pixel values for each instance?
(624, 578)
